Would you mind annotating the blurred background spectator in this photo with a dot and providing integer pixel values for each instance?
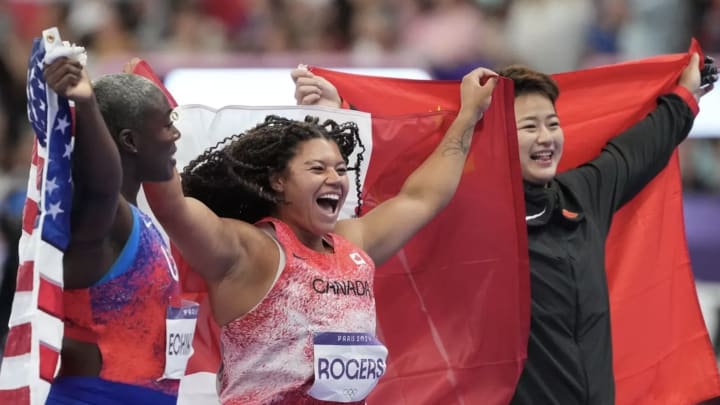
(447, 38)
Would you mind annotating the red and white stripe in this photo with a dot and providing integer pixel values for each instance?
(32, 351)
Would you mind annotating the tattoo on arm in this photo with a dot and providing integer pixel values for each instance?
(459, 146)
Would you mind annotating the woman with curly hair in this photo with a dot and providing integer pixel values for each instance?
(289, 284)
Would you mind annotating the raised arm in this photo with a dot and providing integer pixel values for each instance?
(311, 89)
(630, 160)
(385, 229)
(97, 172)
(214, 247)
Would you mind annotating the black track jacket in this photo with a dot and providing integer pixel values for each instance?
(570, 350)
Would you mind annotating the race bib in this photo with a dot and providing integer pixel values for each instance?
(179, 331)
(347, 366)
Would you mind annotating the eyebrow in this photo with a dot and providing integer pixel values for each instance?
(534, 118)
(322, 162)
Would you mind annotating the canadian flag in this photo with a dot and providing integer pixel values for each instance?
(424, 294)
(460, 281)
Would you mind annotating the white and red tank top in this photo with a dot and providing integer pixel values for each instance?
(268, 353)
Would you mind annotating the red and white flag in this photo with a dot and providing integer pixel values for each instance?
(453, 305)
(661, 350)
(36, 323)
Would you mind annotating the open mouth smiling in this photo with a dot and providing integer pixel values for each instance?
(329, 202)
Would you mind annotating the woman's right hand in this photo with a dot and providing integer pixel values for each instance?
(476, 91)
(69, 79)
(311, 89)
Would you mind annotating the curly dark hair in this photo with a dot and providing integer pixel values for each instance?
(233, 177)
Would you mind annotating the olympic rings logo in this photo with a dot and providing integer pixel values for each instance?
(350, 392)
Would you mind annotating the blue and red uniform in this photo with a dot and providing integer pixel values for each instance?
(124, 315)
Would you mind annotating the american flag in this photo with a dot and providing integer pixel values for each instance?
(36, 324)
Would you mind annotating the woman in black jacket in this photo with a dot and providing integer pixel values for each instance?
(568, 218)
